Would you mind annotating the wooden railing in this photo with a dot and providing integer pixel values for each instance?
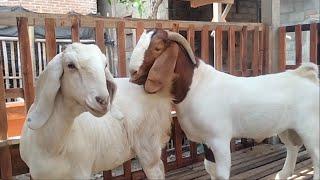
(237, 66)
(298, 29)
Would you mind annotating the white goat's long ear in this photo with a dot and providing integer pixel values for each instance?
(111, 85)
(46, 90)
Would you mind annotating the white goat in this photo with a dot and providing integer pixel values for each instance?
(213, 107)
(57, 143)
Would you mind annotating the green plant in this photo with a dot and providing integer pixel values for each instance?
(138, 4)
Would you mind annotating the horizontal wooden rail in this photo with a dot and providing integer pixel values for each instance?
(64, 20)
(304, 27)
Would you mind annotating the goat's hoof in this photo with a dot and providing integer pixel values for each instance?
(282, 175)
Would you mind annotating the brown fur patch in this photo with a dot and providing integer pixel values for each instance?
(183, 71)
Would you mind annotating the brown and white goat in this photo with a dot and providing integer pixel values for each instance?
(213, 106)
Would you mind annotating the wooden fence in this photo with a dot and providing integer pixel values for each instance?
(298, 29)
(234, 65)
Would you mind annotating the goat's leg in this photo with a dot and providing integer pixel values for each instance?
(209, 161)
(293, 143)
(221, 150)
(309, 133)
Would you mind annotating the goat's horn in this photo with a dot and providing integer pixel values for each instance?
(181, 40)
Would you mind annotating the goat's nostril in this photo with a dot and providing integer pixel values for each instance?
(101, 100)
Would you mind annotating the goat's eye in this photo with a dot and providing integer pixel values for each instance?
(158, 49)
(71, 66)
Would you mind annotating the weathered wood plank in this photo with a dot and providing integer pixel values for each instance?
(282, 49)
(175, 27)
(190, 36)
(5, 65)
(5, 157)
(139, 30)
(127, 169)
(231, 50)
(26, 63)
(177, 137)
(261, 51)
(313, 43)
(13, 64)
(122, 72)
(255, 55)
(266, 59)
(100, 36)
(158, 25)
(107, 175)
(243, 50)
(75, 26)
(50, 35)
(298, 43)
(19, 65)
(205, 44)
(14, 93)
(197, 3)
(218, 49)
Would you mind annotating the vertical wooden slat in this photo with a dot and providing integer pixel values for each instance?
(243, 50)
(178, 142)
(5, 65)
(218, 48)
(39, 57)
(23, 36)
(139, 30)
(261, 50)
(266, 62)
(5, 157)
(313, 43)
(127, 169)
(121, 49)
(298, 35)
(100, 35)
(107, 175)
(19, 65)
(205, 43)
(282, 49)
(255, 55)
(190, 36)
(75, 26)
(164, 158)
(13, 64)
(231, 50)
(50, 35)
(175, 27)
(158, 25)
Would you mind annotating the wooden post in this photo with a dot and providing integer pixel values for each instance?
(5, 156)
(177, 142)
(243, 50)
(298, 43)
(313, 43)
(100, 35)
(122, 72)
(175, 27)
(231, 50)
(282, 49)
(218, 49)
(139, 30)
(261, 50)
(26, 63)
(266, 58)
(205, 43)
(75, 26)
(51, 47)
(255, 56)
(127, 169)
(190, 36)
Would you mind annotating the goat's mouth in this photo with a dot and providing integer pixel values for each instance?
(96, 112)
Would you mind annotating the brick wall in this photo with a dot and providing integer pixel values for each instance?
(54, 6)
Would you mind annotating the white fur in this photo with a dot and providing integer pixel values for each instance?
(72, 144)
(220, 106)
(137, 57)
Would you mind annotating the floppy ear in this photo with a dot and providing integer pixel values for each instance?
(46, 90)
(111, 85)
(162, 68)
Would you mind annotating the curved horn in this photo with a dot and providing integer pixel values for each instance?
(181, 40)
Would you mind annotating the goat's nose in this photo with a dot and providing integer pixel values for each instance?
(101, 100)
(133, 72)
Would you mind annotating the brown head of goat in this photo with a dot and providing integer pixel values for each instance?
(163, 60)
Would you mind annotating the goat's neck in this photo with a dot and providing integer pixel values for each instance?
(57, 129)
